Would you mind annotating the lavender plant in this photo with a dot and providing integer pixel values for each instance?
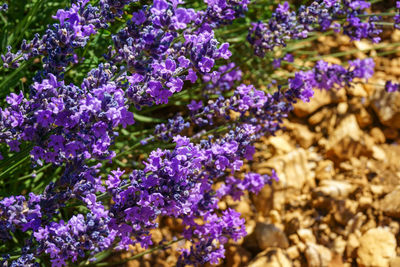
(159, 126)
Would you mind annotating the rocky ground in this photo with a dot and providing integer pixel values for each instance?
(338, 199)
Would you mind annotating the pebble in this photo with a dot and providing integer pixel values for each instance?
(386, 107)
(268, 235)
(334, 188)
(377, 248)
(293, 252)
(237, 256)
(390, 204)
(352, 245)
(342, 108)
(271, 258)
(306, 235)
(317, 255)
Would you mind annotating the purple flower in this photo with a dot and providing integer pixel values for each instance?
(44, 117)
(14, 145)
(392, 87)
(126, 118)
(224, 52)
(206, 64)
(183, 62)
(317, 16)
(193, 106)
(175, 85)
(221, 163)
(14, 99)
(192, 76)
(139, 17)
(363, 68)
(3, 7)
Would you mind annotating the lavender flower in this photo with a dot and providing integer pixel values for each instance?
(397, 16)
(3, 7)
(392, 87)
(163, 48)
(58, 44)
(287, 25)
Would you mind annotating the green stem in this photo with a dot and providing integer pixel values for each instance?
(345, 53)
(388, 14)
(387, 53)
(29, 175)
(309, 39)
(383, 23)
(163, 246)
(295, 65)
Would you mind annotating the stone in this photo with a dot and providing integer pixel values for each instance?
(365, 201)
(294, 238)
(336, 261)
(292, 169)
(317, 255)
(263, 201)
(390, 133)
(339, 245)
(306, 235)
(342, 108)
(387, 107)
(280, 144)
(318, 116)
(156, 236)
(304, 137)
(390, 204)
(378, 135)
(370, 224)
(281, 197)
(393, 158)
(301, 246)
(293, 252)
(321, 98)
(357, 90)
(334, 188)
(394, 227)
(348, 141)
(325, 170)
(271, 258)
(377, 248)
(275, 217)
(395, 262)
(351, 246)
(377, 189)
(363, 45)
(268, 235)
(237, 256)
(378, 153)
(292, 225)
(363, 118)
(344, 210)
(354, 224)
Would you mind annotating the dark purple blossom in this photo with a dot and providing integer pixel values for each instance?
(3, 7)
(318, 16)
(392, 87)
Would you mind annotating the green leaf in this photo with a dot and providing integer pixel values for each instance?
(142, 118)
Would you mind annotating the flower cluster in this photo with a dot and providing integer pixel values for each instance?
(164, 50)
(58, 44)
(392, 87)
(397, 16)
(65, 121)
(3, 7)
(325, 76)
(286, 25)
